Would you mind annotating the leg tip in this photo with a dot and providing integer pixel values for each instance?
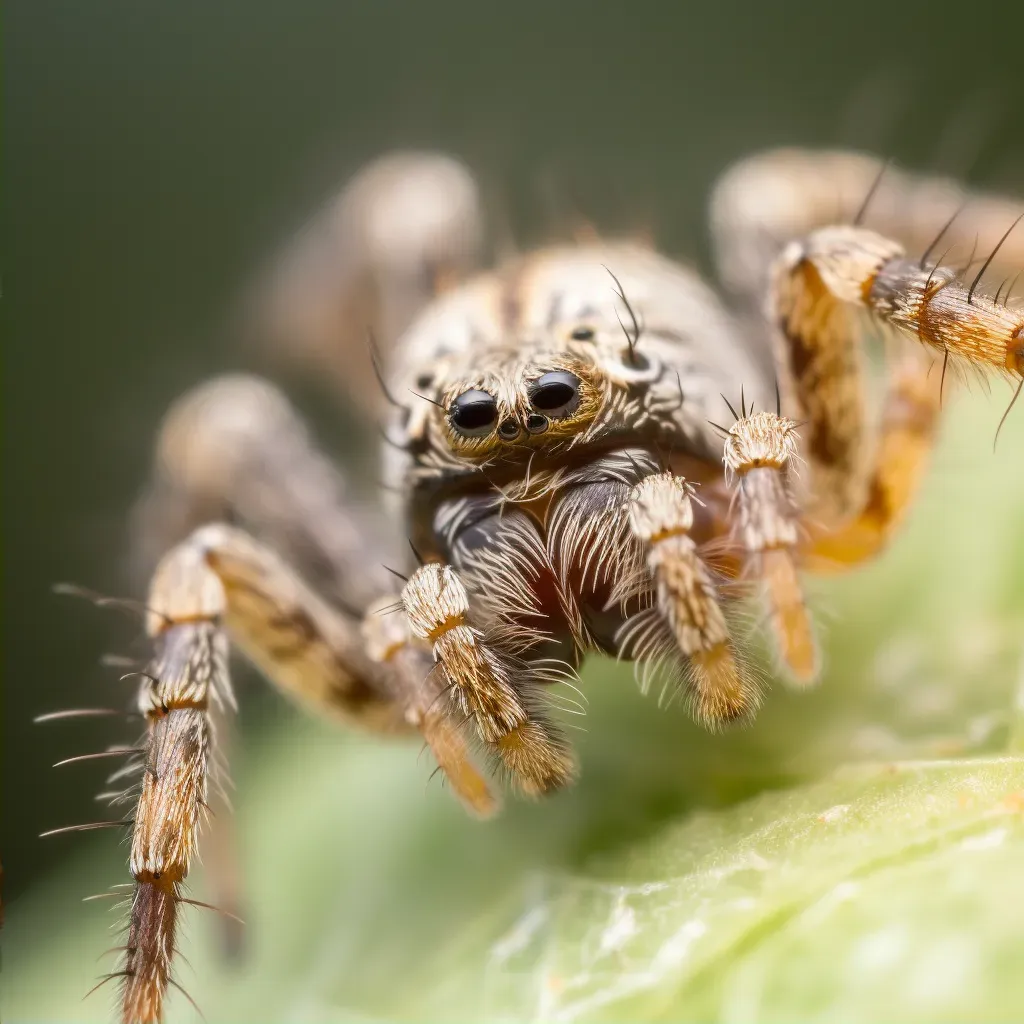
(722, 688)
(538, 763)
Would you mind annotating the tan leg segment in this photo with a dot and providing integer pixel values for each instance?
(389, 641)
(220, 583)
(759, 453)
(930, 305)
(661, 517)
(822, 380)
(489, 687)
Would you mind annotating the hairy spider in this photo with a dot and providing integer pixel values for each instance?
(587, 449)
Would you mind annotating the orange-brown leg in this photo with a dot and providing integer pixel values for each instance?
(822, 288)
(910, 419)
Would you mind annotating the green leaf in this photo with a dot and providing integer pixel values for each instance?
(854, 855)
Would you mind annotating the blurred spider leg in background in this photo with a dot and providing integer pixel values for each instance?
(235, 449)
(766, 201)
(404, 229)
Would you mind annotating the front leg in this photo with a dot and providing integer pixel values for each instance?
(622, 537)
(720, 684)
(491, 687)
(220, 584)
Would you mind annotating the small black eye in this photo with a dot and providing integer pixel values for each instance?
(582, 334)
(473, 413)
(556, 393)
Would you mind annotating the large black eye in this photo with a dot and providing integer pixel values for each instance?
(473, 413)
(556, 393)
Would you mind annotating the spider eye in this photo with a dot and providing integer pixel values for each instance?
(556, 393)
(473, 413)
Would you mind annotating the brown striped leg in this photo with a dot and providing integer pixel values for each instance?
(220, 585)
(838, 269)
(234, 448)
(390, 642)
(720, 686)
(369, 674)
(760, 450)
(490, 686)
(822, 286)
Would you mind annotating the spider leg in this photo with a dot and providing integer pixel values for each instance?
(823, 286)
(326, 660)
(631, 581)
(767, 200)
(389, 641)
(719, 682)
(909, 428)
(490, 686)
(405, 228)
(235, 449)
(760, 452)
(220, 586)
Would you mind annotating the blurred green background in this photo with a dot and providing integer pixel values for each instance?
(154, 155)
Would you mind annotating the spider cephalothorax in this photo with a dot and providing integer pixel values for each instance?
(587, 449)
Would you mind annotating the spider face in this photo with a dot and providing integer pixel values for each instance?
(551, 398)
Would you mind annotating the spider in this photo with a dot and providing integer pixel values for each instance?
(587, 448)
